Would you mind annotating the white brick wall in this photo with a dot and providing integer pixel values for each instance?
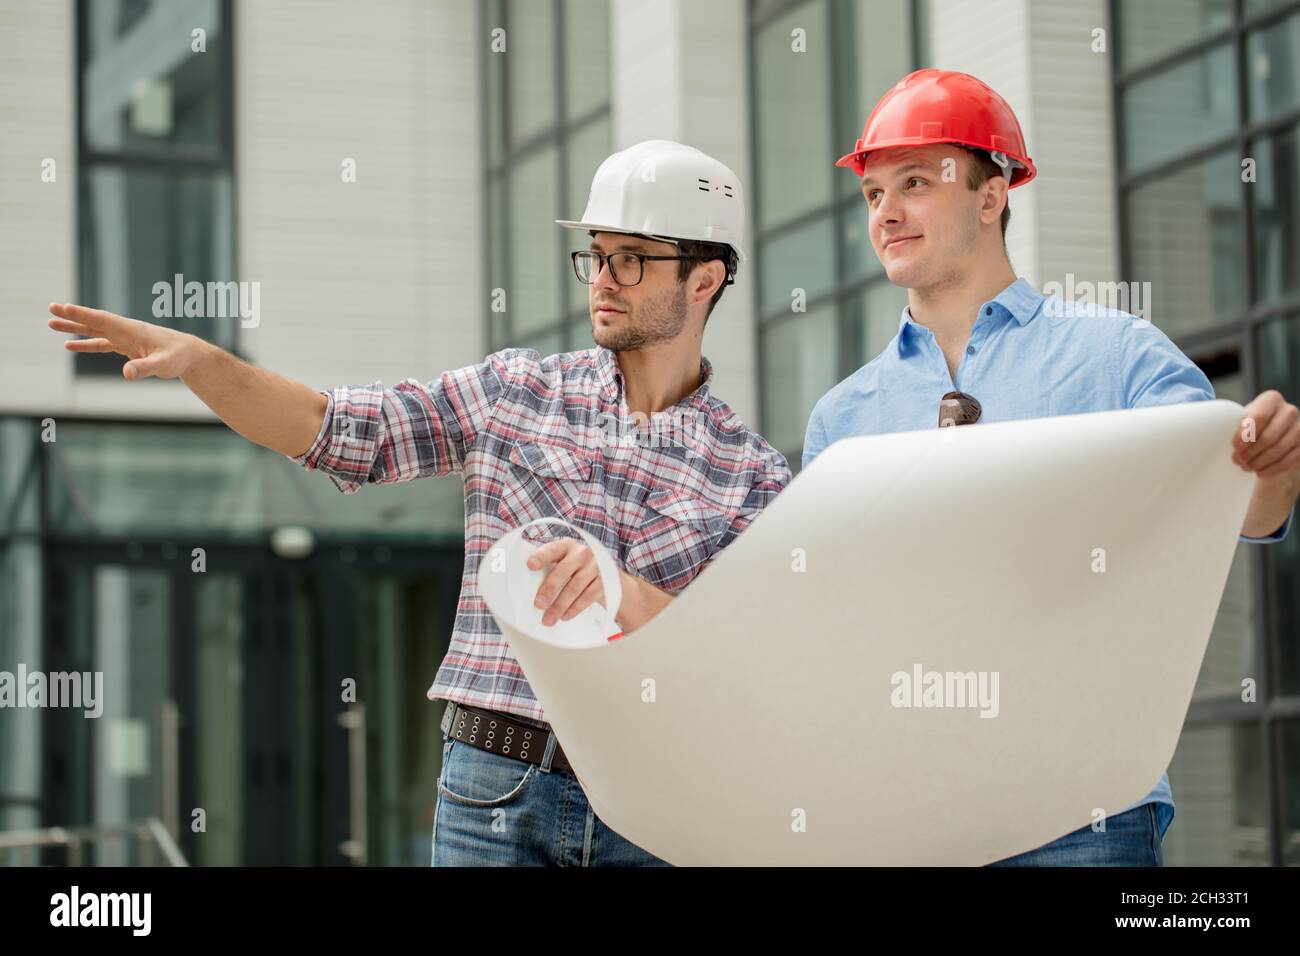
(37, 233)
(1077, 225)
(379, 279)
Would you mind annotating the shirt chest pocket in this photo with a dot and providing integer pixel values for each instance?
(677, 538)
(545, 481)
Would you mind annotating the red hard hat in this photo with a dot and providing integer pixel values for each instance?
(943, 106)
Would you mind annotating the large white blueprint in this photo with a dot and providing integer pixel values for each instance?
(758, 719)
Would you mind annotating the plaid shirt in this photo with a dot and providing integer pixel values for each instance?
(553, 436)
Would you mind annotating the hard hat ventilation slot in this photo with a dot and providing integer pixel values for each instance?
(706, 186)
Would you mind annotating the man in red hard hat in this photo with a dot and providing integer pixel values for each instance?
(938, 156)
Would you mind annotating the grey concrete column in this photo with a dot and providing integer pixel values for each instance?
(1040, 57)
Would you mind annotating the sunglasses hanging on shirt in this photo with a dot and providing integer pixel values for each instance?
(958, 408)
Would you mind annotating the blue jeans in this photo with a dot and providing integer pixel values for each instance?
(494, 810)
(1132, 838)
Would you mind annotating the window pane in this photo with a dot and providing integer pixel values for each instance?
(579, 330)
(860, 258)
(132, 648)
(546, 343)
(1185, 229)
(1279, 351)
(876, 52)
(1260, 6)
(923, 33)
(142, 85)
(494, 115)
(1271, 60)
(588, 148)
(113, 479)
(1217, 779)
(803, 258)
(1233, 648)
(496, 265)
(877, 312)
(22, 583)
(219, 602)
(19, 494)
(586, 55)
(531, 68)
(798, 369)
(1179, 108)
(1277, 220)
(536, 257)
(793, 97)
(1151, 28)
(141, 227)
(1231, 654)
(1290, 734)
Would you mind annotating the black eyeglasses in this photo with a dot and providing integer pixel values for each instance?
(627, 268)
(958, 408)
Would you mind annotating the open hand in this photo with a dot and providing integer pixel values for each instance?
(153, 350)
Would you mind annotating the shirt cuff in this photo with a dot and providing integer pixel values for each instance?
(348, 441)
(1277, 535)
(313, 453)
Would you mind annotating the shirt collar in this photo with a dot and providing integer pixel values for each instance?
(610, 377)
(608, 373)
(1020, 300)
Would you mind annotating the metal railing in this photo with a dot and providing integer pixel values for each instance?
(155, 843)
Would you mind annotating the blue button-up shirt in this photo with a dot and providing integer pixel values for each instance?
(1029, 356)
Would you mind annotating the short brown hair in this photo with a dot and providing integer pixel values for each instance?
(979, 172)
(699, 252)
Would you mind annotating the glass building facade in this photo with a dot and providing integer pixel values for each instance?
(231, 681)
(825, 306)
(546, 117)
(229, 602)
(235, 605)
(1207, 98)
(155, 145)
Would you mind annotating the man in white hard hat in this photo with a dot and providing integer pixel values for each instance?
(624, 440)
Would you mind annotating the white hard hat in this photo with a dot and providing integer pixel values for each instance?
(669, 191)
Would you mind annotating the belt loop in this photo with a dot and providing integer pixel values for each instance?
(551, 741)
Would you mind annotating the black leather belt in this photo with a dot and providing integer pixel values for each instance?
(505, 734)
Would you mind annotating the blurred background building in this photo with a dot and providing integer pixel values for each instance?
(128, 156)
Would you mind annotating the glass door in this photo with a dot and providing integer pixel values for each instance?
(267, 711)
